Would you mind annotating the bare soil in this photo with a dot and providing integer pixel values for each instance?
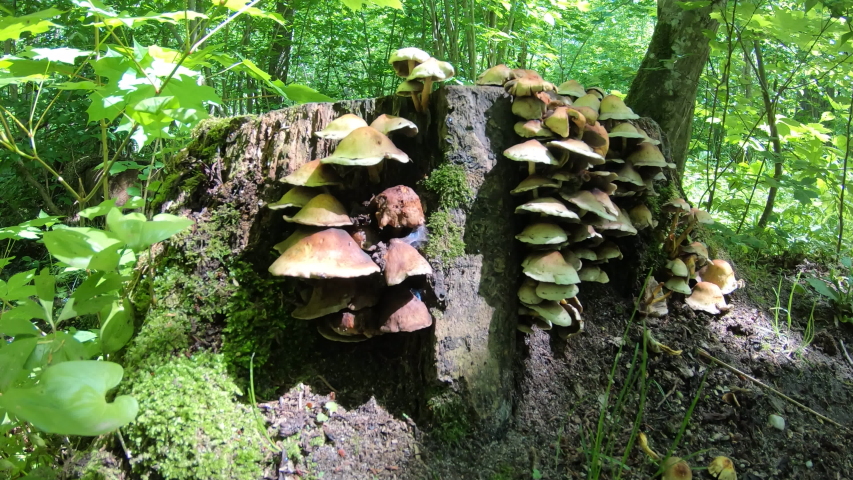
(560, 389)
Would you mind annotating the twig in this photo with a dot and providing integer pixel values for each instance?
(671, 391)
(123, 446)
(846, 355)
(703, 353)
(327, 383)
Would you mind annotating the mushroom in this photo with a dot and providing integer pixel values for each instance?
(398, 207)
(527, 83)
(653, 303)
(613, 108)
(329, 253)
(593, 273)
(678, 284)
(542, 234)
(412, 89)
(313, 174)
(405, 60)
(497, 75)
(707, 297)
(532, 128)
(531, 152)
(548, 206)
(333, 295)
(553, 312)
(366, 147)
(390, 123)
(295, 197)
(533, 183)
(591, 103)
(558, 121)
(361, 323)
(576, 149)
(326, 331)
(553, 291)
(722, 468)
(341, 127)
(641, 217)
(594, 201)
(527, 292)
(596, 136)
(674, 468)
(431, 71)
(720, 273)
(403, 261)
(549, 267)
(647, 155)
(529, 108)
(323, 210)
(571, 88)
(366, 237)
(402, 311)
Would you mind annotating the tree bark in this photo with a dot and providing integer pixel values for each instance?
(774, 138)
(666, 84)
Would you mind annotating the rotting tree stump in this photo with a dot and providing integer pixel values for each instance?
(458, 370)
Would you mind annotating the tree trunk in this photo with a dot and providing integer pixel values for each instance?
(666, 84)
(774, 137)
(282, 43)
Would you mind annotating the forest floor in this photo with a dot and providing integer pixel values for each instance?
(562, 386)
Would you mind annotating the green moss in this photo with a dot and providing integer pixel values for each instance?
(95, 465)
(445, 238)
(190, 425)
(209, 136)
(450, 418)
(451, 185)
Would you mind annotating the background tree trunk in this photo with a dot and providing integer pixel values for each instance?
(666, 84)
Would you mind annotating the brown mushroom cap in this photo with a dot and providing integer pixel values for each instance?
(390, 123)
(596, 136)
(403, 261)
(365, 146)
(341, 127)
(720, 273)
(676, 469)
(572, 88)
(530, 151)
(497, 75)
(647, 155)
(707, 297)
(722, 468)
(295, 197)
(329, 253)
(527, 83)
(366, 237)
(398, 207)
(612, 107)
(358, 323)
(531, 129)
(594, 201)
(401, 58)
(313, 174)
(326, 331)
(324, 210)
(549, 267)
(402, 311)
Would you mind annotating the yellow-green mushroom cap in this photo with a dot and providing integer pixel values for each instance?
(530, 151)
(597, 91)
(531, 129)
(571, 88)
(528, 108)
(647, 155)
(313, 174)
(558, 121)
(294, 237)
(553, 291)
(364, 147)
(627, 130)
(327, 298)
(585, 253)
(329, 253)
(497, 75)
(390, 123)
(410, 88)
(548, 206)
(613, 108)
(677, 268)
(641, 217)
(534, 182)
(341, 127)
(542, 234)
(722, 468)
(697, 248)
(577, 148)
(527, 292)
(552, 311)
(619, 227)
(607, 251)
(572, 258)
(401, 59)
(627, 174)
(594, 201)
(588, 100)
(678, 284)
(432, 70)
(593, 273)
(296, 197)
(323, 210)
(549, 267)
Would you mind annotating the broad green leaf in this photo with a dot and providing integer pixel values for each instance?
(95, 7)
(70, 400)
(304, 94)
(4, 261)
(61, 54)
(17, 321)
(99, 210)
(139, 233)
(17, 287)
(97, 291)
(46, 291)
(116, 325)
(12, 357)
(356, 5)
(84, 85)
(236, 5)
(11, 28)
(821, 287)
(84, 247)
(53, 349)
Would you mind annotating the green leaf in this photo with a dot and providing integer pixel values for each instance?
(53, 349)
(86, 248)
(84, 85)
(845, 38)
(16, 321)
(140, 233)
(11, 28)
(821, 287)
(70, 400)
(46, 291)
(355, 5)
(97, 211)
(304, 94)
(4, 261)
(12, 357)
(17, 286)
(116, 325)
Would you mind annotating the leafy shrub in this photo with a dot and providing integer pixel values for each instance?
(838, 289)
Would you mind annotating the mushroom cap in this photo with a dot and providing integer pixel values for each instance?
(398, 207)
(341, 127)
(553, 312)
(572, 88)
(590, 100)
(553, 99)
(620, 227)
(528, 84)
(627, 174)
(720, 273)
(295, 197)
(647, 155)
(366, 237)
(558, 121)
(577, 148)
(432, 69)
(608, 250)
(707, 297)
(313, 174)
(584, 253)
(585, 233)
(678, 268)
(572, 258)
(697, 248)
(534, 182)
(722, 468)
(360, 323)
(549, 267)
(294, 237)
(497, 75)
(676, 205)
(600, 93)
(628, 130)
(410, 88)
(390, 123)
(589, 113)
(329, 253)
(542, 234)
(530, 151)
(553, 291)
(329, 333)
(613, 108)
(548, 206)
(334, 295)
(527, 292)
(532, 128)
(403, 261)
(593, 273)
(596, 136)
(529, 108)
(674, 468)
(594, 201)
(400, 59)
(701, 216)
(364, 147)
(678, 284)
(641, 217)
(402, 311)
(324, 210)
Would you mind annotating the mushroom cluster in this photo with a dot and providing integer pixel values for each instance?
(362, 274)
(689, 270)
(589, 170)
(420, 71)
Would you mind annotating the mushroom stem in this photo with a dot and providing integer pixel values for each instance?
(417, 102)
(643, 443)
(531, 170)
(684, 235)
(661, 298)
(411, 66)
(673, 249)
(373, 172)
(425, 94)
